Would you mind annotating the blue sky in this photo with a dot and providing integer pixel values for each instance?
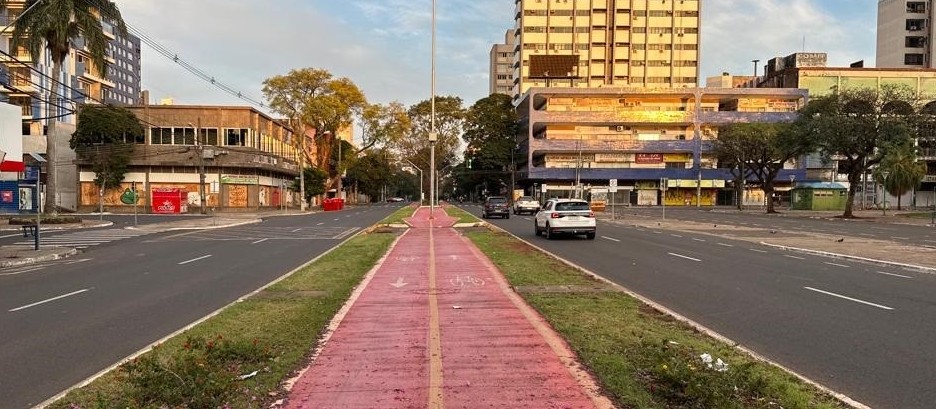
(384, 45)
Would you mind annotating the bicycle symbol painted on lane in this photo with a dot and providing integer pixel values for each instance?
(466, 281)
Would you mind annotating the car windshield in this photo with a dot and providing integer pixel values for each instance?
(497, 200)
(572, 206)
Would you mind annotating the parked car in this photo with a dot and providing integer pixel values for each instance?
(495, 206)
(526, 204)
(395, 199)
(565, 216)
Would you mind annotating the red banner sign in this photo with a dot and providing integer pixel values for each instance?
(169, 201)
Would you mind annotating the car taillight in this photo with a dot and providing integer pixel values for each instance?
(591, 214)
(555, 215)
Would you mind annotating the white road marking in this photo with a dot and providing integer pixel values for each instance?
(758, 250)
(337, 219)
(48, 300)
(884, 307)
(21, 271)
(295, 230)
(195, 259)
(866, 234)
(837, 265)
(682, 256)
(10, 235)
(609, 238)
(320, 224)
(698, 239)
(900, 238)
(78, 261)
(892, 274)
(658, 232)
(676, 235)
(260, 241)
(796, 257)
(726, 244)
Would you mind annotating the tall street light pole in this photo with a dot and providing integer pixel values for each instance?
(433, 136)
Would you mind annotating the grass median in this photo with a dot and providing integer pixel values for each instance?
(641, 357)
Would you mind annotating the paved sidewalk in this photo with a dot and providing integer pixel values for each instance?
(435, 325)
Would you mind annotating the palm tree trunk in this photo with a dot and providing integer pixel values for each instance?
(51, 182)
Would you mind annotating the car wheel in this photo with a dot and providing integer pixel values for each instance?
(590, 236)
(536, 230)
(548, 233)
(484, 215)
(507, 215)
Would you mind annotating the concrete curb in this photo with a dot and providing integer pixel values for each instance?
(37, 259)
(914, 267)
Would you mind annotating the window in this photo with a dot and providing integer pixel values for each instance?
(675, 165)
(161, 136)
(915, 42)
(236, 137)
(915, 24)
(916, 7)
(913, 59)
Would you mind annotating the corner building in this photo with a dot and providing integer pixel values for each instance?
(635, 43)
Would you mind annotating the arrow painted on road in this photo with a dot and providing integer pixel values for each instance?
(399, 283)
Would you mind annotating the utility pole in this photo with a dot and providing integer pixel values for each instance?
(200, 151)
(433, 136)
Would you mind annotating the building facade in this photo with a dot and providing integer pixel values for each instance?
(576, 141)
(905, 34)
(821, 80)
(602, 43)
(239, 157)
(501, 66)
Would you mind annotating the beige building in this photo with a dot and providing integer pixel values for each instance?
(905, 34)
(501, 68)
(575, 141)
(600, 43)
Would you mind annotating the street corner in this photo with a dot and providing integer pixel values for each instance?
(10, 257)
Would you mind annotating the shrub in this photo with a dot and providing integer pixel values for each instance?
(204, 374)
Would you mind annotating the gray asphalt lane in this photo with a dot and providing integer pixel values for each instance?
(760, 299)
(136, 293)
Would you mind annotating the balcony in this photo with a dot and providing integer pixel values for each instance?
(622, 115)
(574, 145)
(730, 117)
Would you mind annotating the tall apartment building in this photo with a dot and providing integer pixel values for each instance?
(28, 79)
(595, 43)
(905, 34)
(501, 69)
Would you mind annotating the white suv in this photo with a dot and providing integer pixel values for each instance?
(573, 216)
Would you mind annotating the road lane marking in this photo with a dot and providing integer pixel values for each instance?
(884, 307)
(892, 274)
(320, 224)
(900, 238)
(195, 259)
(698, 239)
(10, 235)
(610, 238)
(726, 244)
(78, 261)
(435, 332)
(837, 265)
(21, 271)
(260, 241)
(796, 257)
(48, 300)
(682, 256)
(295, 230)
(758, 250)
(676, 235)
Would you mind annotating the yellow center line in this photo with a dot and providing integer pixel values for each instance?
(435, 337)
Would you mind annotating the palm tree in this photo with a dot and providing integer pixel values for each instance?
(905, 172)
(53, 25)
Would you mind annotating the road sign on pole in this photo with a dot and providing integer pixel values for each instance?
(612, 185)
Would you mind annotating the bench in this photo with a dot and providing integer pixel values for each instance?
(29, 229)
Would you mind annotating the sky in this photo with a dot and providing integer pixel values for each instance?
(384, 46)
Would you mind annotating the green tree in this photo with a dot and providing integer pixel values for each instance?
(312, 98)
(105, 136)
(859, 127)
(762, 149)
(314, 179)
(415, 146)
(55, 25)
(383, 125)
(490, 133)
(373, 174)
(904, 171)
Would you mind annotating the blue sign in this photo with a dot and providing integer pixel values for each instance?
(31, 174)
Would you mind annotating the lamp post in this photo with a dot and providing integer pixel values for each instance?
(433, 136)
(884, 191)
(792, 180)
(200, 151)
(663, 182)
(420, 180)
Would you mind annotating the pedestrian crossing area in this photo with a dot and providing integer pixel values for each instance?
(266, 233)
(79, 239)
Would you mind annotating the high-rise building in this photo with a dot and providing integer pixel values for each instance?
(595, 43)
(904, 34)
(501, 70)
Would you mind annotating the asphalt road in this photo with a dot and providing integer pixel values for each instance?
(861, 329)
(67, 320)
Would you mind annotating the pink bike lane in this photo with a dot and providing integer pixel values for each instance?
(435, 326)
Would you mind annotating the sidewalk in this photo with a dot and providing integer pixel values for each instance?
(435, 325)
